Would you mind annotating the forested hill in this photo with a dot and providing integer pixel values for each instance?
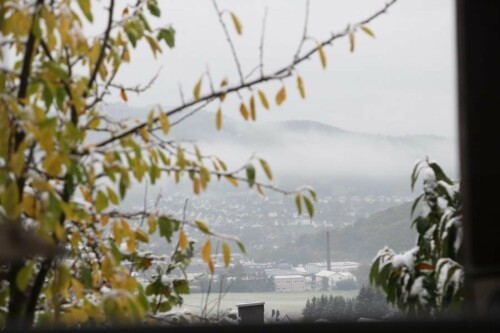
(358, 242)
(361, 241)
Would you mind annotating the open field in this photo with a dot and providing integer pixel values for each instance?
(287, 303)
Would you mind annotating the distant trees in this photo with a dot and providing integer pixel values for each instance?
(347, 284)
(236, 280)
(369, 303)
(428, 279)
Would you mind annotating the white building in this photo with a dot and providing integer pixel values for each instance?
(334, 277)
(286, 283)
(336, 266)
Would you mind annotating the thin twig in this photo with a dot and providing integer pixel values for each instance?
(304, 33)
(145, 203)
(229, 40)
(102, 52)
(261, 47)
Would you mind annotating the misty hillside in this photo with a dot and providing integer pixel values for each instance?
(358, 242)
(331, 159)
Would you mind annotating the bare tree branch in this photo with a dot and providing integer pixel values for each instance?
(304, 34)
(229, 40)
(261, 47)
(102, 52)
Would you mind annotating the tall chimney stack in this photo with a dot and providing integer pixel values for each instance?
(328, 259)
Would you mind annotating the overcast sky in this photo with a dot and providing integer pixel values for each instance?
(402, 82)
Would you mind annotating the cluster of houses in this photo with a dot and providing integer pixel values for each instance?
(287, 277)
(312, 276)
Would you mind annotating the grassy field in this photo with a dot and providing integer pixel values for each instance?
(287, 303)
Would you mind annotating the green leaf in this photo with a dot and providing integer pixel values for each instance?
(203, 227)
(168, 35)
(101, 202)
(298, 203)
(55, 69)
(24, 276)
(112, 196)
(309, 206)
(440, 175)
(266, 169)
(374, 272)
(153, 8)
(414, 174)
(250, 169)
(241, 246)
(167, 227)
(181, 286)
(415, 203)
(85, 7)
(86, 276)
(313, 194)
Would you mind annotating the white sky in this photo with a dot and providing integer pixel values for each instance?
(402, 82)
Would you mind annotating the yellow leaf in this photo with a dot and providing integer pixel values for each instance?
(106, 267)
(196, 186)
(351, 40)
(141, 236)
(105, 220)
(151, 224)
(17, 163)
(211, 266)
(53, 164)
(123, 95)
(300, 86)
(232, 180)
(77, 287)
(263, 99)
(237, 24)
(206, 250)
(131, 245)
(197, 89)
(165, 125)
(281, 96)
(203, 227)
(126, 228)
(59, 232)
(117, 235)
(144, 134)
(223, 83)
(24, 276)
(244, 111)
(75, 316)
(253, 112)
(368, 31)
(85, 193)
(266, 169)
(75, 238)
(183, 241)
(259, 189)
(218, 119)
(29, 205)
(322, 55)
(227, 254)
(94, 123)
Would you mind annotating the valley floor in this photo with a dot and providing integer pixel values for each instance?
(290, 303)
